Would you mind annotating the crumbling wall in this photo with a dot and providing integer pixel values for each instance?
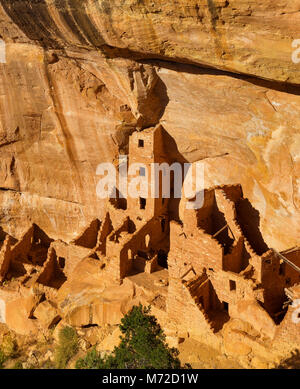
(202, 218)
(71, 255)
(232, 192)
(40, 236)
(185, 313)
(273, 282)
(249, 250)
(230, 287)
(235, 260)
(287, 333)
(248, 219)
(22, 248)
(118, 232)
(146, 239)
(89, 237)
(50, 270)
(198, 249)
(226, 206)
(31, 239)
(123, 245)
(199, 289)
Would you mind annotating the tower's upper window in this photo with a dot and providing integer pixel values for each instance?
(142, 172)
(141, 143)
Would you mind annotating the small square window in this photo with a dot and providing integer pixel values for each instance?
(141, 143)
(232, 285)
(142, 172)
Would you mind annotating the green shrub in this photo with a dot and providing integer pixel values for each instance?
(8, 349)
(92, 360)
(9, 346)
(18, 365)
(3, 358)
(67, 347)
(142, 346)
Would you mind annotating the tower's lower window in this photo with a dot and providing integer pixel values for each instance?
(232, 285)
(142, 203)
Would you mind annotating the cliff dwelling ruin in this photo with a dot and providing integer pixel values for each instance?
(207, 273)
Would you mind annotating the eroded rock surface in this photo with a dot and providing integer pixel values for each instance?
(81, 77)
(236, 35)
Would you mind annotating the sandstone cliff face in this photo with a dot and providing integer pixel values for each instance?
(244, 36)
(83, 75)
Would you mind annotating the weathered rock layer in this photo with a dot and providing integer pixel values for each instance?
(237, 35)
(83, 75)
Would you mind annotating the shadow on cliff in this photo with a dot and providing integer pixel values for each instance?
(161, 91)
(185, 66)
(39, 28)
(38, 25)
(174, 155)
(292, 362)
(249, 220)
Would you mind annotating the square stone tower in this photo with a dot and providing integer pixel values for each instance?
(146, 148)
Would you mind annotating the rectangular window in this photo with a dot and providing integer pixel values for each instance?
(142, 172)
(232, 285)
(142, 203)
(141, 143)
(62, 262)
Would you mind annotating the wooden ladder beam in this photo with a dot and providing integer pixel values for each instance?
(221, 230)
(295, 267)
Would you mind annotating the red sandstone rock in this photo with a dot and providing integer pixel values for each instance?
(111, 341)
(46, 314)
(17, 318)
(73, 100)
